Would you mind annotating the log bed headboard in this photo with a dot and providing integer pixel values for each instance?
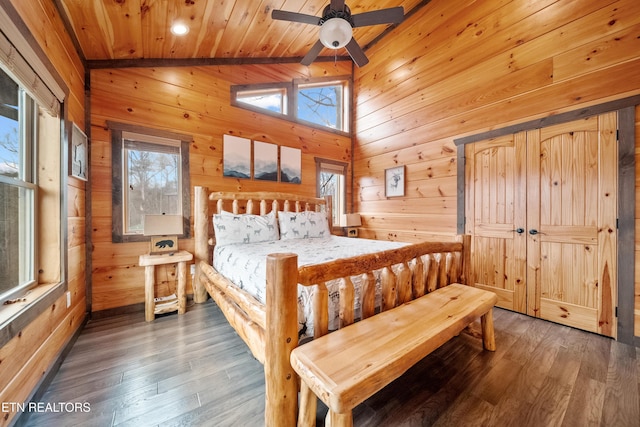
(259, 202)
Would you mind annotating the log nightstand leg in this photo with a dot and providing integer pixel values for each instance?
(488, 335)
(182, 287)
(149, 302)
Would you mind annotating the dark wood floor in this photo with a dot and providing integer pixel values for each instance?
(192, 370)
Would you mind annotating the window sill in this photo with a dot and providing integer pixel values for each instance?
(15, 317)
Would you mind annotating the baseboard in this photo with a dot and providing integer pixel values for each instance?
(117, 311)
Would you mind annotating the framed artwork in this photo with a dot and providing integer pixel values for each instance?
(78, 154)
(265, 161)
(290, 165)
(394, 182)
(236, 153)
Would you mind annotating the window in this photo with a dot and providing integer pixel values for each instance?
(32, 227)
(274, 100)
(150, 176)
(18, 114)
(322, 103)
(331, 177)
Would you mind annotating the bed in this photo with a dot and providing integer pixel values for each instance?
(273, 321)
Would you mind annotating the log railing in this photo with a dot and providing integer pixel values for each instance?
(405, 274)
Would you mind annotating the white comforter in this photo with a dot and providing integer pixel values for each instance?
(245, 265)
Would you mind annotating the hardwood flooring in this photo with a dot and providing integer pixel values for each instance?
(193, 370)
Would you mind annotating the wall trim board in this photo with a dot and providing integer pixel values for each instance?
(626, 224)
(555, 119)
(626, 194)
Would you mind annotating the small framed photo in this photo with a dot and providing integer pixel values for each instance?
(394, 182)
(78, 154)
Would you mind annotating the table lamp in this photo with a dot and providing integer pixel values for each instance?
(164, 231)
(351, 222)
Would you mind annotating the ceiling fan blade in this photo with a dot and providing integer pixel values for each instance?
(394, 15)
(313, 53)
(337, 5)
(284, 15)
(356, 53)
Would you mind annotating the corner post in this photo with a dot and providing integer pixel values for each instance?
(281, 383)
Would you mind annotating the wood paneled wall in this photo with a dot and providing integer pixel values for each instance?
(194, 101)
(27, 357)
(462, 67)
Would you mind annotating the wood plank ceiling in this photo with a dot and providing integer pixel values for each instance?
(231, 30)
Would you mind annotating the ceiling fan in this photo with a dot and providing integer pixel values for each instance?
(336, 27)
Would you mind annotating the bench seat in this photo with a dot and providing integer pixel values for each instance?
(347, 366)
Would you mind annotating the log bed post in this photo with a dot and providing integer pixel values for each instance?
(467, 273)
(201, 244)
(281, 383)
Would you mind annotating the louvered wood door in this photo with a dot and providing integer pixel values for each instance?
(568, 176)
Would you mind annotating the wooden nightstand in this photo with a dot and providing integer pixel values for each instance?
(164, 305)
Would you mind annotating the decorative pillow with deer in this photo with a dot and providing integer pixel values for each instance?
(303, 225)
(230, 228)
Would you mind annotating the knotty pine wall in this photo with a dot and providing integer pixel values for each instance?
(27, 357)
(194, 101)
(462, 67)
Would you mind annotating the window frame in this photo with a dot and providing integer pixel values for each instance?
(291, 90)
(339, 205)
(118, 197)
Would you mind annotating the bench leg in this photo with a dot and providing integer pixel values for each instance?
(339, 420)
(488, 336)
(308, 407)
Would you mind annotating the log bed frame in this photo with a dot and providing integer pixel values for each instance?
(270, 330)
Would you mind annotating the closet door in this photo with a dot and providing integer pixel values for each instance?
(542, 207)
(496, 217)
(571, 223)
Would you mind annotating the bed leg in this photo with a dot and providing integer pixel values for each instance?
(281, 384)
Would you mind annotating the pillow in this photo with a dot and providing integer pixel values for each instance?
(230, 228)
(303, 225)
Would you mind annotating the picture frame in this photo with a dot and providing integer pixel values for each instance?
(265, 161)
(78, 154)
(394, 181)
(290, 165)
(236, 154)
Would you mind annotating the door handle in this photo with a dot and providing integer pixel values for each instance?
(533, 231)
(519, 230)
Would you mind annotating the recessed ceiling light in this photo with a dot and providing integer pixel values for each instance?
(179, 29)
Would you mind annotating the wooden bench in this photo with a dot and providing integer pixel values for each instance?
(347, 366)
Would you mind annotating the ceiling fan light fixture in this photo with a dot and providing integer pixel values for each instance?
(335, 33)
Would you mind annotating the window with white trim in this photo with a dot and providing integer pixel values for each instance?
(29, 188)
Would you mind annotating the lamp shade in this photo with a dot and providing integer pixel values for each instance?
(335, 33)
(162, 225)
(351, 220)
